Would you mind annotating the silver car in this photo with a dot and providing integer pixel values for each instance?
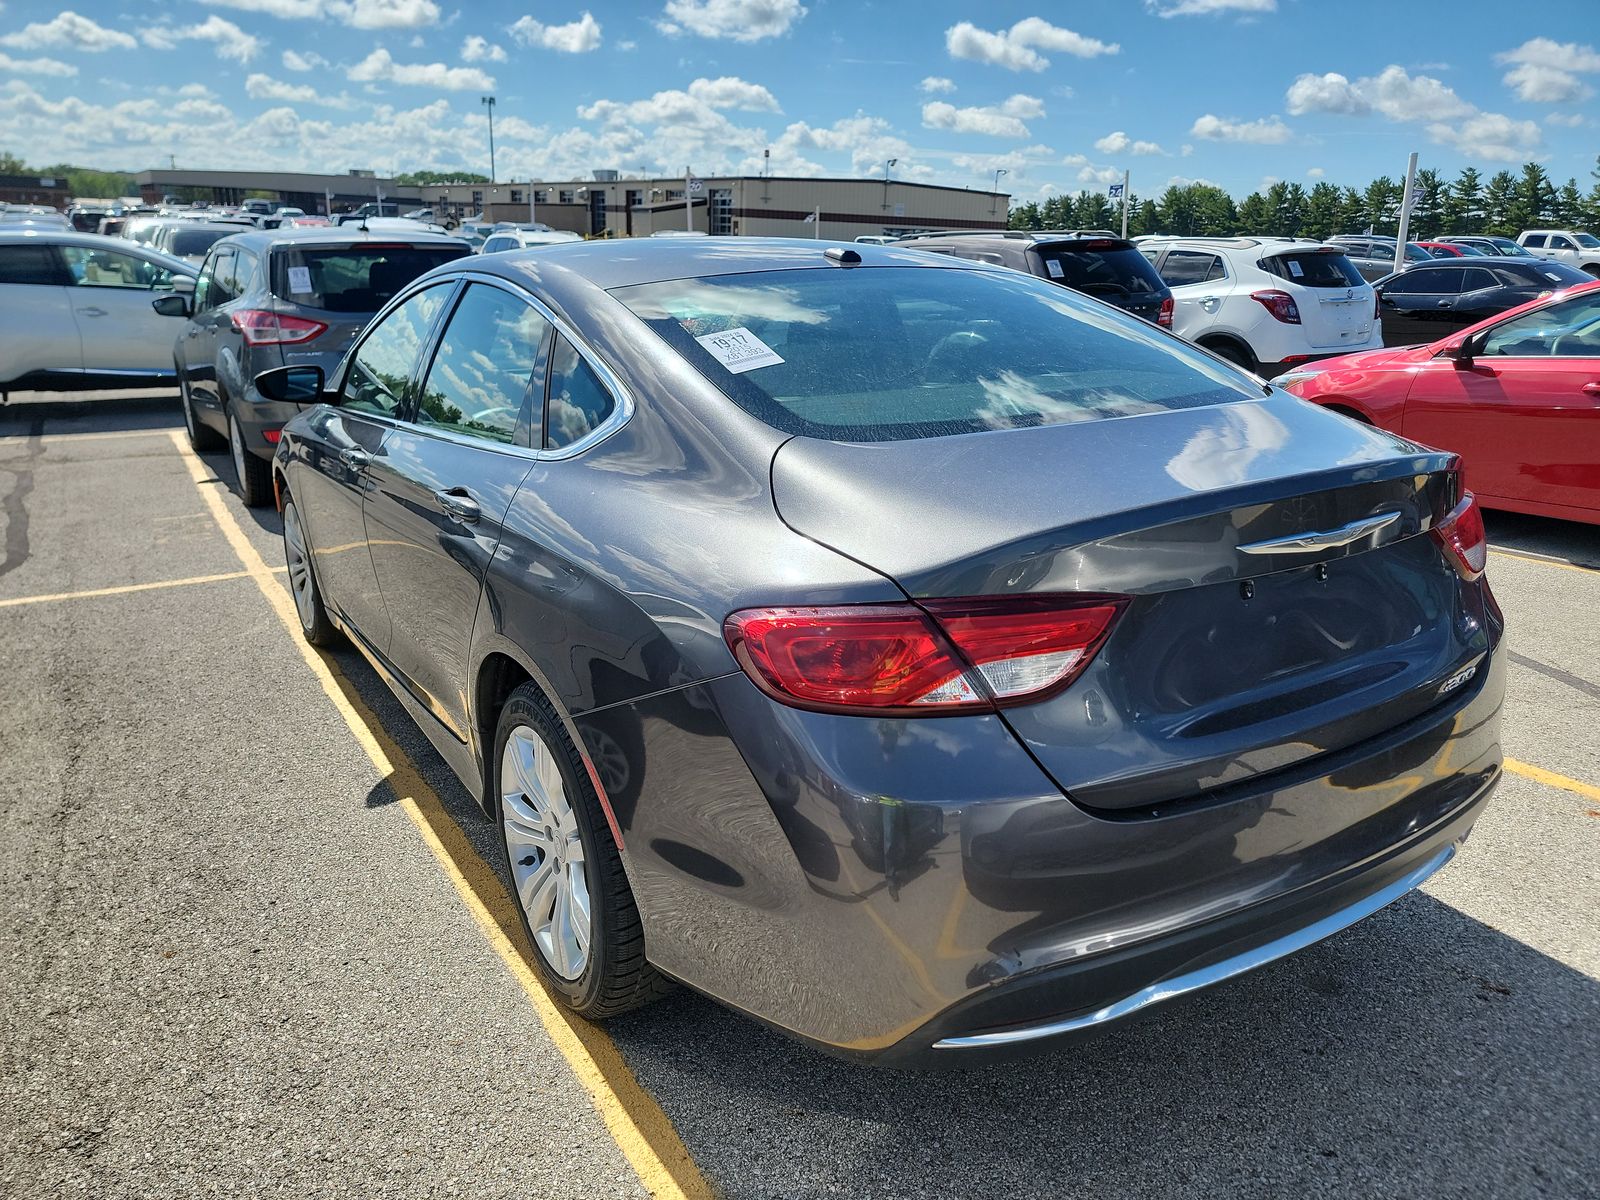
(76, 311)
(191, 240)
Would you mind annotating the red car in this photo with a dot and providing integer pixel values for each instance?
(1449, 250)
(1517, 396)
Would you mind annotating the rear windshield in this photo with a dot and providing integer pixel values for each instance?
(1106, 273)
(1547, 274)
(196, 241)
(352, 279)
(1314, 268)
(892, 353)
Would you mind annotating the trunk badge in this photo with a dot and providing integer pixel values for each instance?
(1331, 539)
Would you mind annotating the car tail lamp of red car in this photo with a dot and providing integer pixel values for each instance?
(1280, 304)
(1164, 317)
(941, 657)
(263, 328)
(1462, 534)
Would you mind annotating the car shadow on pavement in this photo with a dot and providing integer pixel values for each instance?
(1570, 541)
(90, 412)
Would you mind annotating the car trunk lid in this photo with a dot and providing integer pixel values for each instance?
(1335, 303)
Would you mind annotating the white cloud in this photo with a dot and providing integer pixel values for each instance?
(937, 85)
(36, 66)
(1490, 136)
(1268, 131)
(259, 86)
(358, 14)
(695, 108)
(1119, 142)
(575, 37)
(1546, 71)
(1099, 175)
(477, 49)
(1002, 120)
(1315, 173)
(1566, 120)
(69, 31)
(1017, 48)
(1393, 92)
(740, 20)
(309, 61)
(380, 67)
(230, 41)
(1206, 8)
(1186, 150)
(729, 91)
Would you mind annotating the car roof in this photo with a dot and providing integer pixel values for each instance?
(70, 237)
(339, 235)
(1277, 245)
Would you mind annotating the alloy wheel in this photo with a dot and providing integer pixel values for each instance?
(299, 563)
(546, 851)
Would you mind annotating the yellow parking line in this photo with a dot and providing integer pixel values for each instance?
(1551, 779)
(125, 588)
(635, 1121)
(88, 437)
(1543, 560)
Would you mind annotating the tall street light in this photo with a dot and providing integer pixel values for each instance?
(887, 163)
(488, 103)
(994, 202)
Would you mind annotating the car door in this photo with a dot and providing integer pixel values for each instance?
(1417, 305)
(378, 380)
(1482, 296)
(111, 299)
(198, 346)
(1195, 277)
(1525, 415)
(35, 312)
(442, 481)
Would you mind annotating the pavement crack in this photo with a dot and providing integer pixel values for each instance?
(1567, 677)
(15, 504)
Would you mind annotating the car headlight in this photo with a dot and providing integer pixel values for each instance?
(1290, 378)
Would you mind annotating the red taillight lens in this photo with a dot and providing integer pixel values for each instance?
(1280, 304)
(273, 436)
(263, 328)
(1164, 317)
(951, 656)
(1377, 305)
(1463, 535)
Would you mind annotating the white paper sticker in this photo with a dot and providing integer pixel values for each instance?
(300, 281)
(1296, 269)
(739, 350)
(1053, 265)
(1552, 275)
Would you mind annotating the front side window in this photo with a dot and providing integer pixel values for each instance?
(1443, 281)
(91, 266)
(579, 403)
(890, 353)
(1183, 267)
(33, 264)
(488, 365)
(380, 373)
(1570, 329)
(1561, 243)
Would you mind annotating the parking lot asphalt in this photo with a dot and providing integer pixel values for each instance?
(251, 947)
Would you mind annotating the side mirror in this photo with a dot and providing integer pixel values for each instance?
(171, 305)
(292, 385)
(1463, 352)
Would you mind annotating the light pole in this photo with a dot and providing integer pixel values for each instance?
(488, 103)
(994, 201)
(887, 163)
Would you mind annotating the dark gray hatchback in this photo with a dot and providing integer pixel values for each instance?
(267, 300)
(914, 655)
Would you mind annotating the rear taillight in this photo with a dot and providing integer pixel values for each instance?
(263, 328)
(1463, 535)
(1280, 304)
(1164, 317)
(946, 656)
(1377, 305)
(273, 436)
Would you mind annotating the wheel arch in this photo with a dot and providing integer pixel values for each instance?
(1212, 340)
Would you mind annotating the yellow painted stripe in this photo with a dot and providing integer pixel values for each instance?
(1540, 560)
(126, 588)
(635, 1121)
(1550, 779)
(87, 437)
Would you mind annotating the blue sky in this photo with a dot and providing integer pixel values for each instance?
(1063, 96)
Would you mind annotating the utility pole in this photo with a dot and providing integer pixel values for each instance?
(887, 163)
(994, 200)
(488, 103)
(1405, 213)
(1125, 176)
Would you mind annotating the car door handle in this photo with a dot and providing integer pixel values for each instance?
(458, 505)
(1592, 389)
(354, 458)
(1442, 304)
(91, 311)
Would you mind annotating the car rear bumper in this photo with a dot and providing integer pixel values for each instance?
(258, 417)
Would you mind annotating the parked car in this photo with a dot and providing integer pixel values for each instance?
(268, 298)
(1374, 256)
(711, 575)
(1265, 303)
(1502, 246)
(257, 206)
(1576, 249)
(372, 208)
(1452, 250)
(1515, 396)
(86, 218)
(305, 221)
(276, 218)
(876, 239)
(190, 240)
(75, 308)
(1106, 268)
(521, 239)
(1433, 300)
(25, 217)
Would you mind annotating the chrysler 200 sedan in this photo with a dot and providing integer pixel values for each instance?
(917, 656)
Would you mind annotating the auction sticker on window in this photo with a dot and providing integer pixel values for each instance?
(739, 350)
(300, 281)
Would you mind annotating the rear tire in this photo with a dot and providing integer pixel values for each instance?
(1593, 270)
(202, 438)
(315, 623)
(255, 476)
(1238, 355)
(567, 879)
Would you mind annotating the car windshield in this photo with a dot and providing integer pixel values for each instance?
(195, 241)
(352, 279)
(891, 353)
(1100, 271)
(1587, 240)
(1314, 268)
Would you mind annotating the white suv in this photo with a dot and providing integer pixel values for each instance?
(1266, 303)
(1573, 247)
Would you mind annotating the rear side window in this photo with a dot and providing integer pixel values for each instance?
(33, 264)
(352, 279)
(891, 353)
(1182, 267)
(496, 244)
(489, 359)
(1534, 239)
(1314, 268)
(579, 402)
(1476, 279)
(1108, 273)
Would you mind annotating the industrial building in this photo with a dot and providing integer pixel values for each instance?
(306, 191)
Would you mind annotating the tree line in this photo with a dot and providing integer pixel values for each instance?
(1504, 204)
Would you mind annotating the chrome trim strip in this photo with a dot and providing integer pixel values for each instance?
(1206, 977)
(1305, 543)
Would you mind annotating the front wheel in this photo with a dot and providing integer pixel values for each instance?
(571, 891)
(255, 476)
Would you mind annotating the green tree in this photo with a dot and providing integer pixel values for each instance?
(1321, 218)
(1532, 200)
(1499, 201)
(10, 164)
(1352, 211)
(1463, 203)
(1091, 210)
(1215, 214)
(1255, 215)
(429, 178)
(1381, 205)
(1427, 212)
(1026, 216)
(1570, 208)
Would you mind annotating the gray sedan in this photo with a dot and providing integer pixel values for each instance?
(918, 656)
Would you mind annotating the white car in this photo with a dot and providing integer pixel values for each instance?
(77, 311)
(521, 239)
(1266, 303)
(1573, 247)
